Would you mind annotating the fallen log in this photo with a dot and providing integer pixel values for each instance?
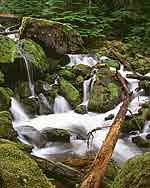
(59, 171)
(94, 177)
(138, 77)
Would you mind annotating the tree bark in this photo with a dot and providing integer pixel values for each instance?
(95, 175)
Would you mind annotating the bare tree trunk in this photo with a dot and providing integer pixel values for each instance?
(95, 175)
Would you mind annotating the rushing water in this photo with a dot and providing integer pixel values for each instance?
(29, 72)
(65, 118)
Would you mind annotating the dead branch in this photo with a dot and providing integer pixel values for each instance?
(95, 175)
(9, 32)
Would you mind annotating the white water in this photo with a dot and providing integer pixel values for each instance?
(18, 112)
(61, 105)
(65, 118)
(31, 85)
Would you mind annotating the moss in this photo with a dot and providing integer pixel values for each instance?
(70, 92)
(54, 37)
(56, 135)
(111, 116)
(104, 97)
(141, 142)
(81, 109)
(36, 53)
(66, 74)
(8, 51)
(18, 170)
(81, 69)
(2, 80)
(6, 127)
(112, 63)
(134, 173)
(22, 89)
(5, 99)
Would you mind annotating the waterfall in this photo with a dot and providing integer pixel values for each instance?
(17, 111)
(31, 85)
(82, 59)
(86, 90)
(61, 105)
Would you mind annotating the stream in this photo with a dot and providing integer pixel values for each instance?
(65, 118)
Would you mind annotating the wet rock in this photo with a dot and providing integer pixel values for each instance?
(111, 116)
(70, 92)
(141, 142)
(54, 37)
(81, 109)
(134, 173)
(145, 85)
(5, 99)
(56, 135)
(31, 106)
(6, 127)
(31, 135)
(147, 136)
(18, 170)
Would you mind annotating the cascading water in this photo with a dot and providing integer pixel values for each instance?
(31, 85)
(65, 118)
(61, 105)
(17, 111)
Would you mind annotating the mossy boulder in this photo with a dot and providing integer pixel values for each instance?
(81, 109)
(18, 170)
(22, 89)
(54, 37)
(6, 127)
(81, 69)
(56, 135)
(66, 74)
(104, 97)
(134, 173)
(70, 92)
(31, 106)
(106, 92)
(112, 63)
(5, 99)
(141, 142)
(34, 54)
(145, 85)
(8, 50)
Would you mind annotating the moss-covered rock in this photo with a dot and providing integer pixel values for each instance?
(67, 74)
(141, 142)
(145, 84)
(81, 69)
(104, 97)
(111, 116)
(22, 89)
(8, 51)
(6, 127)
(112, 63)
(134, 173)
(54, 37)
(18, 170)
(56, 135)
(5, 99)
(81, 109)
(35, 54)
(70, 92)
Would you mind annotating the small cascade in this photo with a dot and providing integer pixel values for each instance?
(17, 111)
(86, 90)
(146, 127)
(29, 71)
(82, 59)
(61, 105)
